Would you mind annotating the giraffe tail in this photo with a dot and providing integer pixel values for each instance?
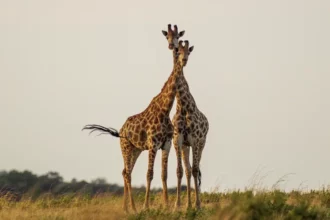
(199, 179)
(104, 130)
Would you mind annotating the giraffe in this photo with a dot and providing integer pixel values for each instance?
(172, 37)
(190, 129)
(149, 130)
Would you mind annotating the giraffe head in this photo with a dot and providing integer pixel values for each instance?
(172, 36)
(183, 52)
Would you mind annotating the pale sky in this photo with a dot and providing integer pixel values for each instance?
(260, 72)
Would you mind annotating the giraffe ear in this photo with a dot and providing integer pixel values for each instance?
(181, 33)
(191, 49)
(164, 33)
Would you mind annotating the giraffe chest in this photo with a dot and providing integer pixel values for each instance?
(183, 121)
(162, 130)
(192, 127)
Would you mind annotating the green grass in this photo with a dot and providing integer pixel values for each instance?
(232, 205)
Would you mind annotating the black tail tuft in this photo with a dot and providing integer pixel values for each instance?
(104, 130)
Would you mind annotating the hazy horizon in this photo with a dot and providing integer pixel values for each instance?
(259, 72)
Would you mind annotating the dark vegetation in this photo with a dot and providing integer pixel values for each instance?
(28, 184)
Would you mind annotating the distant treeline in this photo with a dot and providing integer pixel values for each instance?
(16, 184)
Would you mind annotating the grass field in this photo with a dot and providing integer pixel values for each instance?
(232, 205)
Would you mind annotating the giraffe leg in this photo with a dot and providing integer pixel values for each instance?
(136, 154)
(185, 155)
(165, 153)
(130, 155)
(125, 191)
(197, 155)
(150, 174)
(177, 140)
(195, 173)
(200, 151)
(125, 150)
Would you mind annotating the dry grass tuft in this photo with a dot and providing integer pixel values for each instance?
(249, 204)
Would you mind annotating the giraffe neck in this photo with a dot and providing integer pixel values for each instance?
(185, 100)
(163, 102)
(174, 57)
